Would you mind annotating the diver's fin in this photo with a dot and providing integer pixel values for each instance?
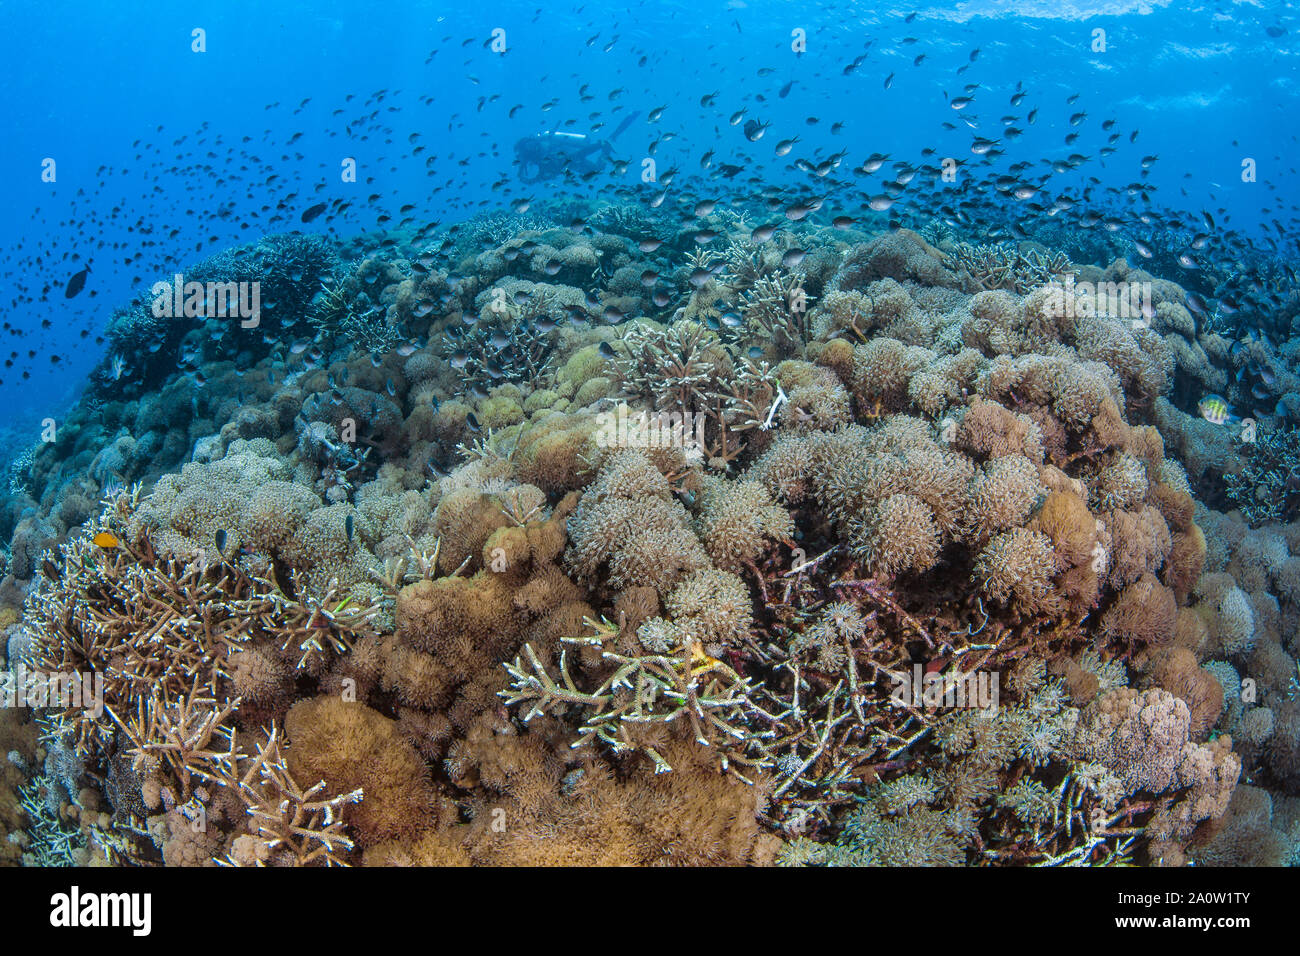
(624, 125)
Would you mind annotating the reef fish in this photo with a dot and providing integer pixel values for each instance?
(76, 283)
(1215, 410)
(106, 540)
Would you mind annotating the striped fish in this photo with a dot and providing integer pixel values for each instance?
(1215, 410)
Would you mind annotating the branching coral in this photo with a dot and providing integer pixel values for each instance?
(174, 645)
(1267, 487)
(1005, 267)
(701, 691)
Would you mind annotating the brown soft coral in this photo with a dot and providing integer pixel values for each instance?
(990, 430)
(1142, 616)
(1176, 670)
(350, 746)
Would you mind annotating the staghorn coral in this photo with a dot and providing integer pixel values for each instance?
(1267, 488)
(167, 638)
(1004, 267)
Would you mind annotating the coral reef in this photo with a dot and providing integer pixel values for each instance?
(522, 543)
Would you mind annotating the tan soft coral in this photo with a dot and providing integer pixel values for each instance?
(1017, 567)
(738, 520)
(1143, 738)
(896, 535)
(629, 520)
(990, 430)
(712, 607)
(1003, 494)
(882, 371)
(1143, 615)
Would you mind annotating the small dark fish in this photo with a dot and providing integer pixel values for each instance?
(606, 350)
(310, 214)
(350, 526)
(76, 283)
(649, 245)
(471, 422)
(763, 233)
(219, 539)
(793, 258)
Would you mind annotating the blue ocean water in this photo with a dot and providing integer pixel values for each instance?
(165, 155)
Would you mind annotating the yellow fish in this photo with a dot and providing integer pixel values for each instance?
(1215, 410)
(106, 539)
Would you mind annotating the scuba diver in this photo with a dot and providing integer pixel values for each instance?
(550, 155)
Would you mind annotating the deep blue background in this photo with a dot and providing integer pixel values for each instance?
(1204, 84)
